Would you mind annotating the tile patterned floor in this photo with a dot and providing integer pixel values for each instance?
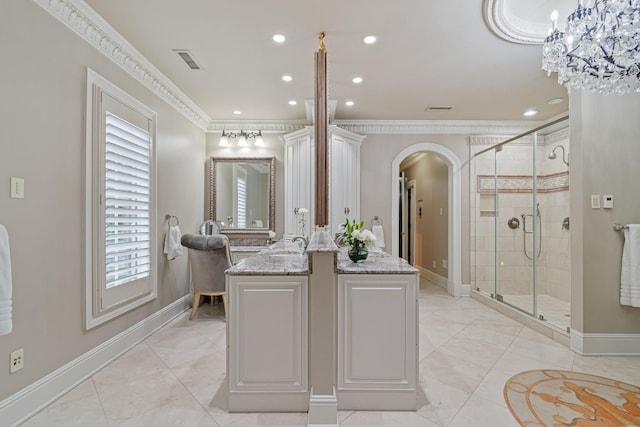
(176, 377)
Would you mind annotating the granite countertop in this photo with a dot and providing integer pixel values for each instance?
(240, 248)
(287, 259)
(278, 259)
(378, 262)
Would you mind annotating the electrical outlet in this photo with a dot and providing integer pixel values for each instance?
(16, 361)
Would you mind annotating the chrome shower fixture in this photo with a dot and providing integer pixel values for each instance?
(552, 155)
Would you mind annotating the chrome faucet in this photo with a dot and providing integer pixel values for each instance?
(304, 241)
(339, 241)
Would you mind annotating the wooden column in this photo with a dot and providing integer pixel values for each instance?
(321, 124)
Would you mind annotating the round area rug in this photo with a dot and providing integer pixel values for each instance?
(554, 398)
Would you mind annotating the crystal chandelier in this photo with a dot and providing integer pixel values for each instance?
(600, 48)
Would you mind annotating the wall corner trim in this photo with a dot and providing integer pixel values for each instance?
(22, 405)
(605, 344)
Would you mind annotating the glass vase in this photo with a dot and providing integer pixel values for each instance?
(358, 254)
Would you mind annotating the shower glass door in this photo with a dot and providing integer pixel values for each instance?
(517, 224)
(483, 222)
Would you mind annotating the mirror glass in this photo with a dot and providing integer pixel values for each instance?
(242, 192)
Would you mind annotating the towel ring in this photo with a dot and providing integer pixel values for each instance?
(376, 221)
(170, 217)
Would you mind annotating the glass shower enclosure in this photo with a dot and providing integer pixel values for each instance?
(520, 247)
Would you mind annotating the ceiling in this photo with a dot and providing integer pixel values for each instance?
(453, 53)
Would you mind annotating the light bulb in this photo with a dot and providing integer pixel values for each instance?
(242, 141)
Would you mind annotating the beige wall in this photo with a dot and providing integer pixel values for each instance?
(43, 87)
(377, 154)
(605, 136)
(431, 228)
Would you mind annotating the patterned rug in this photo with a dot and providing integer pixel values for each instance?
(564, 398)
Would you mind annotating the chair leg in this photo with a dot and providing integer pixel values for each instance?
(196, 303)
(224, 302)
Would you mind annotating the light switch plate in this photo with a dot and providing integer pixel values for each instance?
(17, 188)
(595, 201)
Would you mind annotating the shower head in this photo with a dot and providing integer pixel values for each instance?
(552, 155)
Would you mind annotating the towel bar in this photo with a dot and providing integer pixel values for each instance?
(619, 227)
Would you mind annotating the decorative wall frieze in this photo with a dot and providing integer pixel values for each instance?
(486, 184)
(85, 22)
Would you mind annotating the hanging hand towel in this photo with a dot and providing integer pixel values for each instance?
(630, 275)
(172, 246)
(379, 233)
(6, 324)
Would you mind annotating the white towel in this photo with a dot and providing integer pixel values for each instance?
(379, 233)
(172, 245)
(630, 275)
(6, 324)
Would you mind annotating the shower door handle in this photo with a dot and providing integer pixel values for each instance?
(524, 223)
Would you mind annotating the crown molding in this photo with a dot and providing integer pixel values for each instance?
(418, 127)
(85, 22)
(266, 126)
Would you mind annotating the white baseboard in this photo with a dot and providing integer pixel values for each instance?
(605, 344)
(22, 405)
(323, 410)
(459, 290)
(443, 282)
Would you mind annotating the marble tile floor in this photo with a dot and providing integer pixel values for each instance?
(176, 377)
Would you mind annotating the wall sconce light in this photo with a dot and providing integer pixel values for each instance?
(242, 138)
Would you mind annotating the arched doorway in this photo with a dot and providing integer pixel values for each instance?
(454, 285)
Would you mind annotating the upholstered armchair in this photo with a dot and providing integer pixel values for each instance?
(209, 257)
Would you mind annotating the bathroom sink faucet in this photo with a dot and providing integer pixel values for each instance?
(305, 242)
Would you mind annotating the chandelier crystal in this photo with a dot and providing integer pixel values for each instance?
(599, 49)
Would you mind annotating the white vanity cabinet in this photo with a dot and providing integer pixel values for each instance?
(267, 343)
(344, 177)
(377, 341)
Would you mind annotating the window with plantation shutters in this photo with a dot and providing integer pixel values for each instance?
(127, 208)
(241, 201)
(120, 251)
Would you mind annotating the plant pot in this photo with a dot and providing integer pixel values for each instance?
(358, 254)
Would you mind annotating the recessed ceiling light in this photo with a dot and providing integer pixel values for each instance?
(293, 102)
(369, 39)
(530, 113)
(357, 80)
(349, 103)
(279, 38)
(237, 112)
(555, 101)
(287, 78)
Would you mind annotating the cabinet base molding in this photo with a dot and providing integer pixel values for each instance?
(377, 400)
(260, 401)
(323, 410)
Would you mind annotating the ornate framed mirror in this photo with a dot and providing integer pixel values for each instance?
(242, 193)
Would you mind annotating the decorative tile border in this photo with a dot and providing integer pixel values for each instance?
(523, 183)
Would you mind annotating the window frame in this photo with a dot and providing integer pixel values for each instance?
(126, 297)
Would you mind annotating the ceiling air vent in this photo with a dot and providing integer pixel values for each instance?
(438, 108)
(186, 57)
